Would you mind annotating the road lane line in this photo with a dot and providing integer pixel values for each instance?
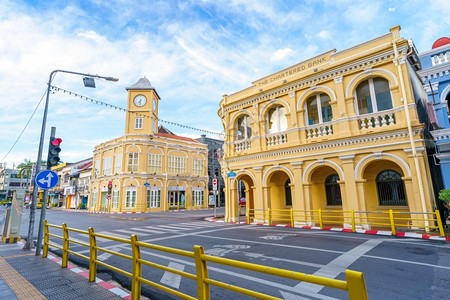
(172, 279)
(278, 286)
(114, 234)
(339, 265)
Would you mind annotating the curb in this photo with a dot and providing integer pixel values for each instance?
(376, 232)
(110, 287)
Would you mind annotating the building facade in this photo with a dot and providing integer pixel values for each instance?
(339, 131)
(149, 168)
(11, 181)
(214, 169)
(435, 74)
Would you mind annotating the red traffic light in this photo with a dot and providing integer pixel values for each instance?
(56, 141)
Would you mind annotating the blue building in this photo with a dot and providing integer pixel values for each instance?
(435, 74)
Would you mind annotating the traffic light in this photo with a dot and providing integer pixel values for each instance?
(53, 152)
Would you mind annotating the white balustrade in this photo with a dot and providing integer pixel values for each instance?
(276, 138)
(381, 119)
(319, 130)
(241, 145)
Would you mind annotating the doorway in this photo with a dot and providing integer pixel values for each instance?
(176, 199)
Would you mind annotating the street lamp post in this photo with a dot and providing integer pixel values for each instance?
(28, 244)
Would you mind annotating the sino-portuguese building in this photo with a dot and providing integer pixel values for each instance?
(342, 130)
(149, 168)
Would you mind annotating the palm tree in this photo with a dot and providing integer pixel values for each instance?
(26, 168)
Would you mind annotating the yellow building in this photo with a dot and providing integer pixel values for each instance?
(338, 131)
(149, 168)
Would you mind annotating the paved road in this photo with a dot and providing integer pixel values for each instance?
(394, 268)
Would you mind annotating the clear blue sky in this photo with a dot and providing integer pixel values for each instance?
(192, 52)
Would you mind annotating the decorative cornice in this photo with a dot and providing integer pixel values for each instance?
(434, 72)
(338, 79)
(418, 149)
(326, 146)
(303, 83)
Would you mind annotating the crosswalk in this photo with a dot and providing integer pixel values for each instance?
(146, 231)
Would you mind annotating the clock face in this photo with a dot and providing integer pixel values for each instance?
(154, 104)
(140, 100)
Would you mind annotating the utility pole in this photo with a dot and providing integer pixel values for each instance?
(88, 83)
(44, 205)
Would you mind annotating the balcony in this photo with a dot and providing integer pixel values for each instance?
(319, 130)
(241, 145)
(276, 138)
(376, 120)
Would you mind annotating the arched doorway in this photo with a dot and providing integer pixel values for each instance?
(326, 195)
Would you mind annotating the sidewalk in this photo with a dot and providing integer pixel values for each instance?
(23, 275)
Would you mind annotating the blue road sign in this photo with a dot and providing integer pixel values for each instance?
(231, 175)
(147, 184)
(47, 179)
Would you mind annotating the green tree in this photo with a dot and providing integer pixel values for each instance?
(26, 168)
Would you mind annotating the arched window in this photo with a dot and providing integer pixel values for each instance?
(333, 190)
(276, 119)
(319, 109)
(287, 192)
(390, 188)
(243, 129)
(373, 95)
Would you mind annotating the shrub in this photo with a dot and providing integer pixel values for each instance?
(444, 195)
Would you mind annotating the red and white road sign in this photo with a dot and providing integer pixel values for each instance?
(215, 184)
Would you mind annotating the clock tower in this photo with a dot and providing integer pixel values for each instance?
(142, 108)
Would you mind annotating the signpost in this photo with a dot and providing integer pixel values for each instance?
(214, 182)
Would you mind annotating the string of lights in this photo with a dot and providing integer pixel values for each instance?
(55, 89)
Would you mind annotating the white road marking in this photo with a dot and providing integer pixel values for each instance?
(145, 230)
(105, 256)
(291, 261)
(277, 236)
(172, 279)
(338, 265)
(114, 234)
(289, 296)
(246, 277)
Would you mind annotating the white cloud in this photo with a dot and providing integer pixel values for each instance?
(193, 52)
(324, 35)
(281, 54)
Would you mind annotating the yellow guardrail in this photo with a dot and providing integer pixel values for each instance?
(348, 219)
(354, 283)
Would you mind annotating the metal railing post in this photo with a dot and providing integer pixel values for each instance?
(92, 255)
(352, 212)
(291, 212)
(439, 221)
(356, 285)
(65, 251)
(391, 218)
(137, 269)
(46, 238)
(269, 221)
(202, 273)
(320, 219)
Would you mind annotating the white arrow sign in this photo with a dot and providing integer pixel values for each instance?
(48, 180)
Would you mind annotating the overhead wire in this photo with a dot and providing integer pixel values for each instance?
(26, 125)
